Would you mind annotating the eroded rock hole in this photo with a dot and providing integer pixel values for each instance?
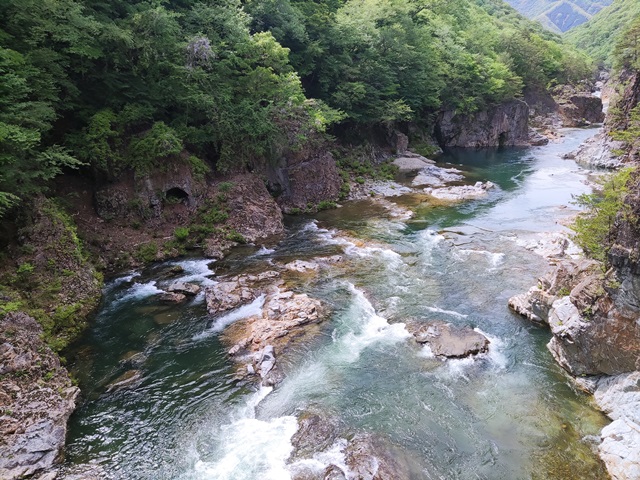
(174, 196)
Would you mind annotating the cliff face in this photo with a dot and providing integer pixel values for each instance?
(36, 399)
(505, 125)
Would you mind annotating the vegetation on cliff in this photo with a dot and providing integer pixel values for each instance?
(599, 35)
(114, 86)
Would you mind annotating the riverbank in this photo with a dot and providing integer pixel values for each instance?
(360, 371)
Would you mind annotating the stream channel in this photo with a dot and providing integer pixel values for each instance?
(510, 413)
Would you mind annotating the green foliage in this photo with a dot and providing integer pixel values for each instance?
(137, 85)
(235, 237)
(146, 253)
(629, 132)
(225, 187)
(593, 227)
(326, 205)
(181, 233)
(599, 35)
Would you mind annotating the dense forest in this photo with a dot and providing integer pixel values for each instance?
(598, 37)
(122, 85)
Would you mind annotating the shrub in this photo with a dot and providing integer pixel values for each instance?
(594, 227)
(181, 233)
(146, 252)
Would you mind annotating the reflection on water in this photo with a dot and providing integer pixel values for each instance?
(506, 414)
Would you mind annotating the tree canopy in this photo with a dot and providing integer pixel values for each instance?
(129, 85)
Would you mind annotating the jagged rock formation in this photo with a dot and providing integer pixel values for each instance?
(592, 333)
(304, 176)
(36, 399)
(505, 125)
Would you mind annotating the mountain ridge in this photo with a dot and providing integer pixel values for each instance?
(559, 15)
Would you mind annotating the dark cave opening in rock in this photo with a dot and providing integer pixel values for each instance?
(175, 195)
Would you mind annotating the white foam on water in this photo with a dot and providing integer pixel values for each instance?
(138, 291)
(426, 352)
(428, 241)
(245, 311)
(251, 448)
(453, 313)
(334, 455)
(496, 347)
(197, 271)
(369, 328)
(494, 259)
(263, 251)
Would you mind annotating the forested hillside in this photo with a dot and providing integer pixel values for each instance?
(122, 85)
(559, 15)
(599, 35)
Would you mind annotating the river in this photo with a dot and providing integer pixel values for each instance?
(508, 414)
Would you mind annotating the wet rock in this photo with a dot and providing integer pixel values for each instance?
(598, 152)
(317, 432)
(285, 316)
(436, 176)
(267, 368)
(367, 457)
(534, 305)
(172, 297)
(236, 291)
(170, 272)
(619, 398)
(411, 162)
(184, 288)
(333, 472)
(503, 125)
(536, 139)
(302, 266)
(129, 379)
(460, 193)
(446, 340)
(36, 399)
(133, 359)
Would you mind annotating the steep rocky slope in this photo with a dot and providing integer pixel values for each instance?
(559, 15)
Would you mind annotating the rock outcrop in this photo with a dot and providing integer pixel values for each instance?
(266, 331)
(305, 176)
(363, 455)
(505, 125)
(36, 399)
(448, 341)
(619, 398)
(460, 193)
(578, 109)
(598, 151)
(591, 334)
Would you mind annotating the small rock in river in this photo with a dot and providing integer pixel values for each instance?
(446, 340)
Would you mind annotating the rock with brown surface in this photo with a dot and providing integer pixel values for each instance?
(446, 340)
(285, 315)
(36, 399)
(183, 288)
(236, 291)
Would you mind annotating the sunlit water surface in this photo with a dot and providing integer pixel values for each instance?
(509, 414)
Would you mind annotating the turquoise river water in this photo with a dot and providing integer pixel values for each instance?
(508, 414)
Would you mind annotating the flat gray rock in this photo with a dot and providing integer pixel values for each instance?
(412, 163)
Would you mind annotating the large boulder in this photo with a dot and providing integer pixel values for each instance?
(36, 399)
(504, 125)
(449, 341)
